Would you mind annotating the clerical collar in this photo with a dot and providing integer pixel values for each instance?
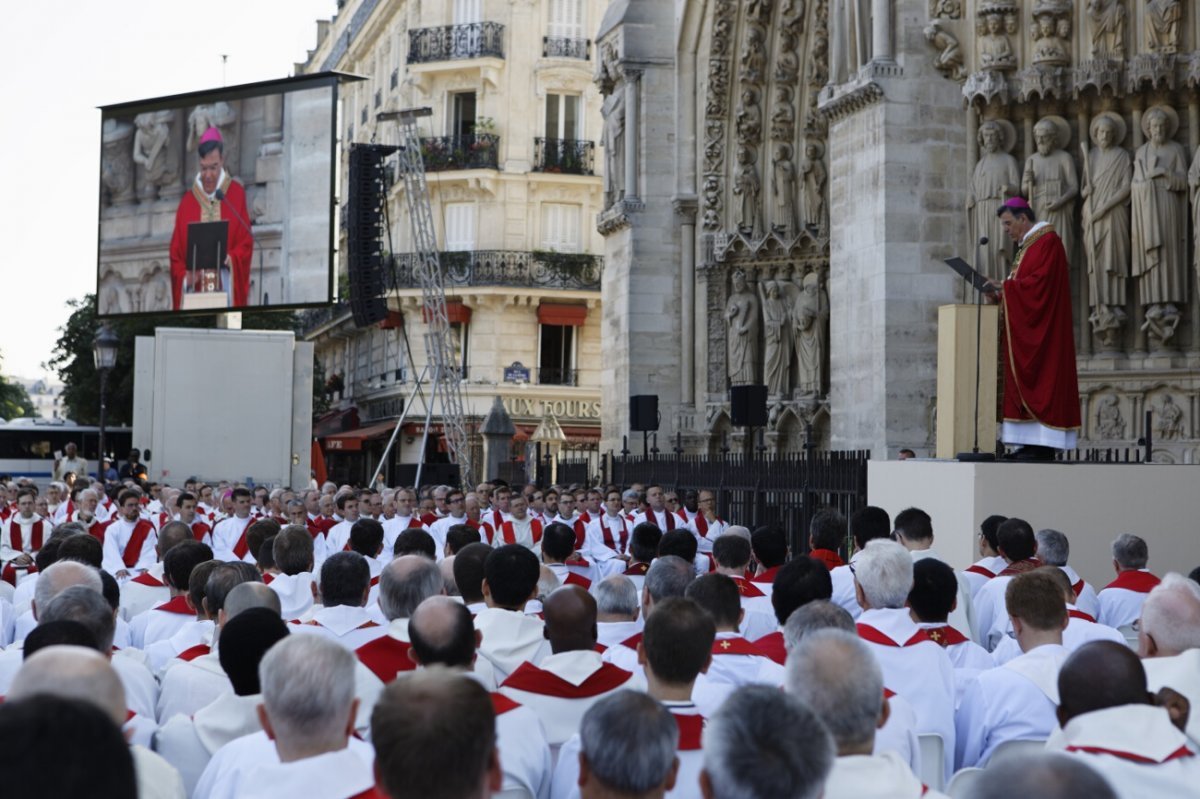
(1029, 233)
(220, 183)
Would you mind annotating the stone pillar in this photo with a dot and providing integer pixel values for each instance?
(1139, 313)
(687, 300)
(632, 133)
(881, 31)
(497, 430)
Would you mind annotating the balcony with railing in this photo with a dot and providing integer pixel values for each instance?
(505, 268)
(456, 42)
(555, 376)
(471, 151)
(564, 156)
(566, 47)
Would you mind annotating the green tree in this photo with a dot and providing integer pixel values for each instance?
(14, 400)
(76, 367)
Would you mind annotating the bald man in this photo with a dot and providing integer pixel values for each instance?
(573, 677)
(74, 672)
(1169, 641)
(1111, 722)
(404, 584)
(151, 587)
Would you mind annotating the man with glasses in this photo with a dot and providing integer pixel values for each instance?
(456, 506)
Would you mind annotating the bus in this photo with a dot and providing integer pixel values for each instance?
(28, 446)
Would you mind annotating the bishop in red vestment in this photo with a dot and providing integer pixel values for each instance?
(214, 196)
(1041, 389)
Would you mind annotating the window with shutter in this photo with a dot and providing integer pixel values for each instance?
(566, 19)
(460, 227)
(561, 231)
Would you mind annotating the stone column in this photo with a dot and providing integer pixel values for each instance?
(1139, 313)
(687, 302)
(632, 135)
(1192, 311)
(1083, 307)
(272, 125)
(881, 31)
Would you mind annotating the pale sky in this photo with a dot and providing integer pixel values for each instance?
(60, 61)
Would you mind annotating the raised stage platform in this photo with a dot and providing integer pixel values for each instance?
(1091, 503)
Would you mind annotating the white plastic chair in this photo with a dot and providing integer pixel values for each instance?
(961, 782)
(1016, 749)
(933, 753)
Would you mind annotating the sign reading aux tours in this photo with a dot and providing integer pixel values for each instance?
(536, 408)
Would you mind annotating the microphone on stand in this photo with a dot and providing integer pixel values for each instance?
(220, 195)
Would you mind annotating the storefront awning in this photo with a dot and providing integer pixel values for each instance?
(555, 313)
(337, 421)
(352, 440)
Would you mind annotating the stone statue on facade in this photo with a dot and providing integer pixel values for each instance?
(754, 55)
(1108, 173)
(995, 49)
(791, 15)
(1109, 422)
(748, 187)
(1194, 185)
(787, 62)
(741, 317)
(784, 191)
(749, 117)
(1108, 28)
(1169, 424)
(849, 39)
(1051, 44)
(783, 118)
(777, 339)
(116, 164)
(810, 311)
(813, 175)
(996, 178)
(614, 147)
(1162, 25)
(153, 153)
(1049, 182)
(1159, 192)
(949, 58)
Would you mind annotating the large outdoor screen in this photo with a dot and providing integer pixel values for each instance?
(219, 200)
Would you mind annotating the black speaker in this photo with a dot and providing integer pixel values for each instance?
(363, 221)
(643, 413)
(748, 406)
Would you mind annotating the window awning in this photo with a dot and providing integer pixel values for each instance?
(556, 313)
(455, 312)
(352, 440)
(334, 422)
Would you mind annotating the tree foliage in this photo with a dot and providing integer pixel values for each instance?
(14, 400)
(76, 366)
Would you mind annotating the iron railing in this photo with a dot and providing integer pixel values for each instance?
(567, 156)
(513, 268)
(472, 151)
(557, 376)
(456, 42)
(566, 47)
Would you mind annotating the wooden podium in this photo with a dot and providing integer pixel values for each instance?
(956, 378)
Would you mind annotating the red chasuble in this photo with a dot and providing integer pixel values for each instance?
(240, 245)
(1040, 383)
(386, 657)
(1133, 580)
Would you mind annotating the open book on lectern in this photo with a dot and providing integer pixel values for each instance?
(977, 280)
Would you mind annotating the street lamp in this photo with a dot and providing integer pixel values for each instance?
(104, 350)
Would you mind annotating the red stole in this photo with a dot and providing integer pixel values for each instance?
(652, 517)
(386, 657)
(501, 704)
(509, 533)
(177, 604)
(636, 569)
(1038, 339)
(773, 647)
(200, 529)
(1079, 614)
(768, 576)
(830, 558)
(148, 579)
(133, 549)
(691, 731)
(1020, 567)
(869, 633)
(735, 646)
(632, 641)
(580, 528)
(623, 536)
(1134, 580)
(945, 636)
(17, 539)
(240, 548)
(1078, 587)
(194, 652)
(747, 588)
(1179, 753)
(530, 678)
(977, 569)
(267, 577)
(702, 524)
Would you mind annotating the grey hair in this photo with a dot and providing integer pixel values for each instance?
(1047, 776)
(820, 614)
(835, 674)
(1053, 548)
(308, 687)
(91, 492)
(630, 493)
(60, 576)
(407, 582)
(1171, 614)
(68, 529)
(737, 529)
(745, 757)
(1130, 552)
(629, 741)
(668, 576)
(88, 607)
(245, 596)
(885, 572)
(616, 595)
(72, 672)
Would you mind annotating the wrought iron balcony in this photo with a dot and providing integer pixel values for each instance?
(473, 151)
(554, 376)
(456, 42)
(566, 156)
(508, 268)
(565, 47)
